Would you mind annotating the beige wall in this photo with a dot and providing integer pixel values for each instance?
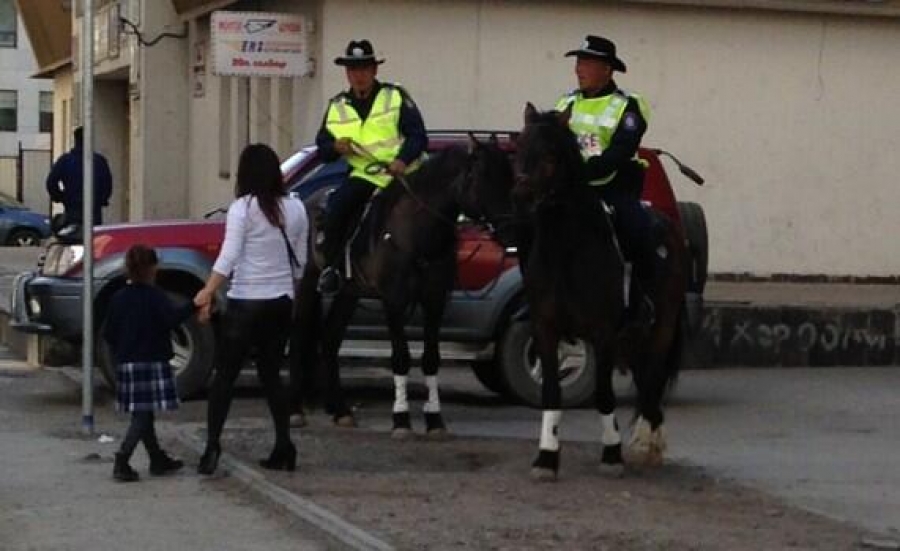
(788, 116)
(159, 112)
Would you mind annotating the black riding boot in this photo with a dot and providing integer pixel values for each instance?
(649, 275)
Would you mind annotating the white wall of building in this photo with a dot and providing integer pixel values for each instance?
(789, 116)
(17, 65)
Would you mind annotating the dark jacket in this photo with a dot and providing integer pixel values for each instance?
(139, 323)
(412, 126)
(65, 183)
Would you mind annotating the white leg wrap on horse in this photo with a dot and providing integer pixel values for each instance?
(400, 402)
(550, 430)
(433, 405)
(611, 436)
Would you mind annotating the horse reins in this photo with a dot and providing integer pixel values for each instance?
(376, 167)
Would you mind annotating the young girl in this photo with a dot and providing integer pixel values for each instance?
(141, 317)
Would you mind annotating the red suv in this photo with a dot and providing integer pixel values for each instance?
(479, 326)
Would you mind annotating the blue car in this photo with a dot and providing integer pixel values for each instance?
(19, 226)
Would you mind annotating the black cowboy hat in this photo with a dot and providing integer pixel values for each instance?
(358, 53)
(597, 47)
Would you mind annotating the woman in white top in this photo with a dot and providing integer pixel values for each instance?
(263, 252)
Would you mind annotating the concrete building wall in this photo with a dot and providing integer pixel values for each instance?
(787, 115)
(227, 113)
(159, 119)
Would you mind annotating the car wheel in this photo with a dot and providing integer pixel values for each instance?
(520, 368)
(24, 238)
(193, 345)
(694, 222)
(488, 374)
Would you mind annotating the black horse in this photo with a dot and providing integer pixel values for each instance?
(405, 254)
(575, 278)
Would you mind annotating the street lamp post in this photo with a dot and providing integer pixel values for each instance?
(87, 293)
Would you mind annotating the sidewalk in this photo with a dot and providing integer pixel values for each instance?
(56, 490)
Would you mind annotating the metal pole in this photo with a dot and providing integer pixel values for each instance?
(87, 293)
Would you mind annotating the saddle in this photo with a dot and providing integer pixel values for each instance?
(360, 238)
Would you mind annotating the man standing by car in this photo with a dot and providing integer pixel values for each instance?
(66, 178)
(372, 123)
(609, 123)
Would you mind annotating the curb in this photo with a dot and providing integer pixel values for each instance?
(336, 527)
(305, 510)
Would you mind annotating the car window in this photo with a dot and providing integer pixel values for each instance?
(323, 175)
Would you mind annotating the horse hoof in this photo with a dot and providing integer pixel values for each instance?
(541, 474)
(298, 421)
(612, 470)
(346, 421)
(438, 434)
(401, 434)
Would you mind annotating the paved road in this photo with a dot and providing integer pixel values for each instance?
(823, 439)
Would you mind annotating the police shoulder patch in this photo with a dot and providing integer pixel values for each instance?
(630, 122)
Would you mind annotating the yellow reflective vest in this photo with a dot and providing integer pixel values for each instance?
(379, 135)
(594, 121)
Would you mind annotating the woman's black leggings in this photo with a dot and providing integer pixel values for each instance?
(261, 325)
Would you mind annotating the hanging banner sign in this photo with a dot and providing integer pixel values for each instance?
(260, 44)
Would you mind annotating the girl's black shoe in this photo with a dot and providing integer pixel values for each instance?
(122, 471)
(281, 459)
(161, 463)
(210, 459)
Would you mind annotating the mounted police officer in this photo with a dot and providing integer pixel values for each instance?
(609, 123)
(372, 123)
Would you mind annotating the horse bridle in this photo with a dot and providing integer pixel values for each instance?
(376, 167)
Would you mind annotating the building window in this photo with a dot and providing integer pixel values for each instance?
(9, 113)
(8, 22)
(46, 112)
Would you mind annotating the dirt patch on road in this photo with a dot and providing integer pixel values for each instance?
(474, 493)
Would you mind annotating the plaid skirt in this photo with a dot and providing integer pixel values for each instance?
(145, 386)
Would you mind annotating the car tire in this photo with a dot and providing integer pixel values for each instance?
(520, 370)
(488, 374)
(694, 222)
(194, 346)
(24, 237)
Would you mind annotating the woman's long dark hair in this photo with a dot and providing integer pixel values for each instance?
(259, 175)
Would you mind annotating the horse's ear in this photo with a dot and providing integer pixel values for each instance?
(564, 116)
(530, 113)
(474, 144)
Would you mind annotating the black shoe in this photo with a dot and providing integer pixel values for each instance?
(329, 281)
(282, 458)
(161, 464)
(209, 460)
(122, 471)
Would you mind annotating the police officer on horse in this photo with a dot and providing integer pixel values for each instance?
(609, 123)
(372, 125)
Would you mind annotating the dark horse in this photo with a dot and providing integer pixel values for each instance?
(574, 276)
(406, 256)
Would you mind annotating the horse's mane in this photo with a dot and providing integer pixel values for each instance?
(566, 147)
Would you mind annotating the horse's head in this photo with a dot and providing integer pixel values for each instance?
(488, 182)
(548, 158)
